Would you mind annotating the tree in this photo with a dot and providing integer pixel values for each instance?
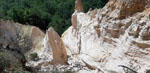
(91, 4)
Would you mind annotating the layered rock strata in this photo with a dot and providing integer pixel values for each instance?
(115, 35)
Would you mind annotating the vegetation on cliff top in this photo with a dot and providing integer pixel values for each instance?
(44, 13)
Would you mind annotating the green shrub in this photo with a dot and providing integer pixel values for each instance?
(34, 56)
(148, 71)
(68, 71)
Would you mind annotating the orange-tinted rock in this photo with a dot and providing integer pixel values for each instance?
(141, 45)
(57, 45)
(37, 36)
(78, 6)
(74, 20)
(146, 34)
(89, 66)
(121, 9)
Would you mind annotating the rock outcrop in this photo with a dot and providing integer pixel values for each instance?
(78, 6)
(78, 9)
(15, 36)
(114, 39)
(74, 20)
(30, 40)
(115, 35)
(58, 48)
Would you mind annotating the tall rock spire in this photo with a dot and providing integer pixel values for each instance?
(78, 6)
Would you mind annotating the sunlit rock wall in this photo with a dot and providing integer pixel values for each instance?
(115, 35)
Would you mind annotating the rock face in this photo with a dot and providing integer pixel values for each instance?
(74, 20)
(114, 39)
(37, 37)
(115, 35)
(58, 48)
(26, 40)
(15, 36)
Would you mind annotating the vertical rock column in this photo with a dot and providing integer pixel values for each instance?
(78, 8)
(58, 48)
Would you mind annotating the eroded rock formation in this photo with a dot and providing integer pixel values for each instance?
(78, 6)
(117, 34)
(114, 39)
(29, 40)
(58, 48)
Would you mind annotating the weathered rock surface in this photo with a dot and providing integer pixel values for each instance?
(15, 36)
(78, 6)
(51, 51)
(115, 35)
(26, 40)
(114, 39)
(74, 20)
(78, 9)
(58, 48)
